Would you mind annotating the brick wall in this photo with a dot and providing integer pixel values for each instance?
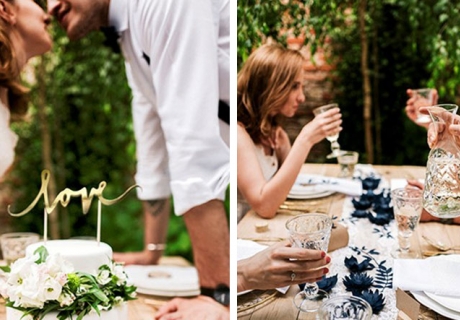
(318, 91)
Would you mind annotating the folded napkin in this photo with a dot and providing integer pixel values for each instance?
(247, 248)
(401, 183)
(365, 170)
(339, 237)
(324, 183)
(438, 276)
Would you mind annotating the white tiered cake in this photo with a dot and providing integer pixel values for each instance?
(85, 256)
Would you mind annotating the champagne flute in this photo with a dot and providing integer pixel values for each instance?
(407, 206)
(310, 231)
(333, 139)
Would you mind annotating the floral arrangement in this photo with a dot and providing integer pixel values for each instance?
(376, 207)
(43, 283)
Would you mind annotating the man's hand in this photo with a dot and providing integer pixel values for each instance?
(201, 307)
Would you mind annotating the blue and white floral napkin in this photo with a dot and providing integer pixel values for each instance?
(325, 183)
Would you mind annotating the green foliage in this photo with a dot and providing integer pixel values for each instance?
(412, 44)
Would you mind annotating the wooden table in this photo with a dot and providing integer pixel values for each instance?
(279, 306)
(144, 307)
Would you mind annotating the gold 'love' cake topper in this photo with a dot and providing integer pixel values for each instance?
(64, 198)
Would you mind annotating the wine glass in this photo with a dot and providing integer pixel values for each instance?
(422, 98)
(310, 231)
(333, 139)
(407, 206)
(345, 307)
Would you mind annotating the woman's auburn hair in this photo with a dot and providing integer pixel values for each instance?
(264, 84)
(10, 74)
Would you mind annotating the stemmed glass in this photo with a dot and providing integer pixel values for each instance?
(310, 231)
(345, 307)
(407, 206)
(333, 139)
(422, 98)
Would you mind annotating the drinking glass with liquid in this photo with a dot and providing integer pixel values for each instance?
(347, 161)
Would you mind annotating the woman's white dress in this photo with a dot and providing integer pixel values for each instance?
(8, 140)
(269, 166)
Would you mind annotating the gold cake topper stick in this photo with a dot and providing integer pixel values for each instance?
(64, 198)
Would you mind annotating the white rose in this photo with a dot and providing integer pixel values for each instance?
(117, 301)
(119, 272)
(66, 299)
(52, 289)
(26, 284)
(56, 264)
(103, 277)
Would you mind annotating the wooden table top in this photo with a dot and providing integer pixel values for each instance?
(273, 305)
(144, 307)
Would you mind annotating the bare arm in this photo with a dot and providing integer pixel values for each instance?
(266, 196)
(156, 218)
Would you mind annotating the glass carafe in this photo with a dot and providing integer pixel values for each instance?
(441, 197)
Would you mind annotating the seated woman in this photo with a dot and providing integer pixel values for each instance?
(270, 88)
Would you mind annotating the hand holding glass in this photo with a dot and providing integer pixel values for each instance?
(407, 206)
(310, 231)
(441, 197)
(422, 98)
(333, 139)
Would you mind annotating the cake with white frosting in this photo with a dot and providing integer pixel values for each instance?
(65, 260)
(84, 255)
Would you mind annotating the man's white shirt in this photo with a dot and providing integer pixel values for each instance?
(176, 94)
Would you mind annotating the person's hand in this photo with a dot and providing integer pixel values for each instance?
(435, 130)
(323, 125)
(201, 307)
(426, 216)
(411, 107)
(142, 257)
(280, 265)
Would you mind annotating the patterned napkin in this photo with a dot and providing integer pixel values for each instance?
(324, 183)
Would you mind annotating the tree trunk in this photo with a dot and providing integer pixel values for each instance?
(47, 146)
(375, 86)
(367, 108)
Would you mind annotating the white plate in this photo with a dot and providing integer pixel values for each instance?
(163, 280)
(302, 189)
(310, 196)
(433, 305)
(448, 302)
(168, 293)
(243, 292)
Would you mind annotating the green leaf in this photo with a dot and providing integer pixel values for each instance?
(42, 253)
(6, 269)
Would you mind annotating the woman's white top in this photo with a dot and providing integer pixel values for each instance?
(8, 140)
(269, 166)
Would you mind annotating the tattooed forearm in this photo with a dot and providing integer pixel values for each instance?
(155, 207)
